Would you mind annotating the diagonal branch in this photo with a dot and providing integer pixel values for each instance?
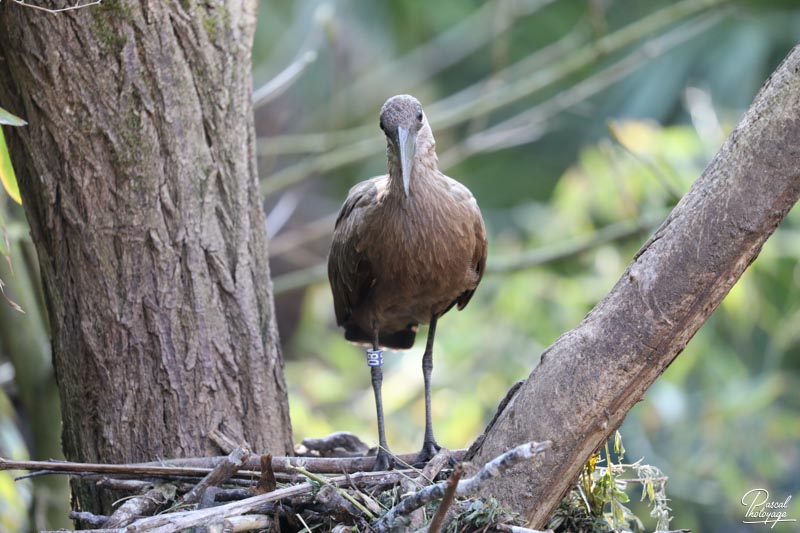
(588, 380)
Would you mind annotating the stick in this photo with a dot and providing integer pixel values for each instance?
(144, 505)
(94, 520)
(447, 500)
(246, 523)
(201, 466)
(220, 474)
(342, 440)
(173, 522)
(435, 465)
(134, 485)
(467, 486)
(66, 467)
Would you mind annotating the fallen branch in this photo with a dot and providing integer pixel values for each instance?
(201, 466)
(465, 487)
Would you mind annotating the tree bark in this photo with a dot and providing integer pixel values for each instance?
(591, 376)
(138, 178)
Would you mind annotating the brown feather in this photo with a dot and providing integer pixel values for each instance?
(396, 261)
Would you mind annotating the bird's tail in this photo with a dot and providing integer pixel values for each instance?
(396, 340)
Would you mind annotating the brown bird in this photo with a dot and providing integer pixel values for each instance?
(407, 247)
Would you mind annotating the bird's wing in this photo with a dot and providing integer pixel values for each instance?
(478, 257)
(349, 270)
(481, 248)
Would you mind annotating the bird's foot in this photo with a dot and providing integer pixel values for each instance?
(429, 449)
(383, 461)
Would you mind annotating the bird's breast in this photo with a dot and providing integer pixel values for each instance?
(421, 250)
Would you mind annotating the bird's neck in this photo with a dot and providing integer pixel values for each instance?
(426, 168)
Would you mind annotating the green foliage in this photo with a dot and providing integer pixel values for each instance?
(478, 515)
(14, 496)
(7, 175)
(597, 504)
(9, 179)
(9, 119)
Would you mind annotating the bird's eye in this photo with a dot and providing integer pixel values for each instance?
(381, 125)
(419, 116)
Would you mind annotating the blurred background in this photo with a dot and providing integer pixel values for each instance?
(577, 124)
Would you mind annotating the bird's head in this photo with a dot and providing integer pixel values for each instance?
(403, 122)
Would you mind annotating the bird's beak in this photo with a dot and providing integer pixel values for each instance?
(407, 141)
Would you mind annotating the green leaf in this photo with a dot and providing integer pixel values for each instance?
(10, 120)
(7, 175)
(619, 449)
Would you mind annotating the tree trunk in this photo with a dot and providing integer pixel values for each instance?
(138, 179)
(590, 377)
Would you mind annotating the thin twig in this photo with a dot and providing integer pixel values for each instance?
(344, 493)
(317, 142)
(66, 467)
(77, 5)
(297, 237)
(576, 61)
(447, 500)
(304, 523)
(284, 79)
(444, 50)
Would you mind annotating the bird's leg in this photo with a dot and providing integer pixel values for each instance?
(375, 359)
(429, 446)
